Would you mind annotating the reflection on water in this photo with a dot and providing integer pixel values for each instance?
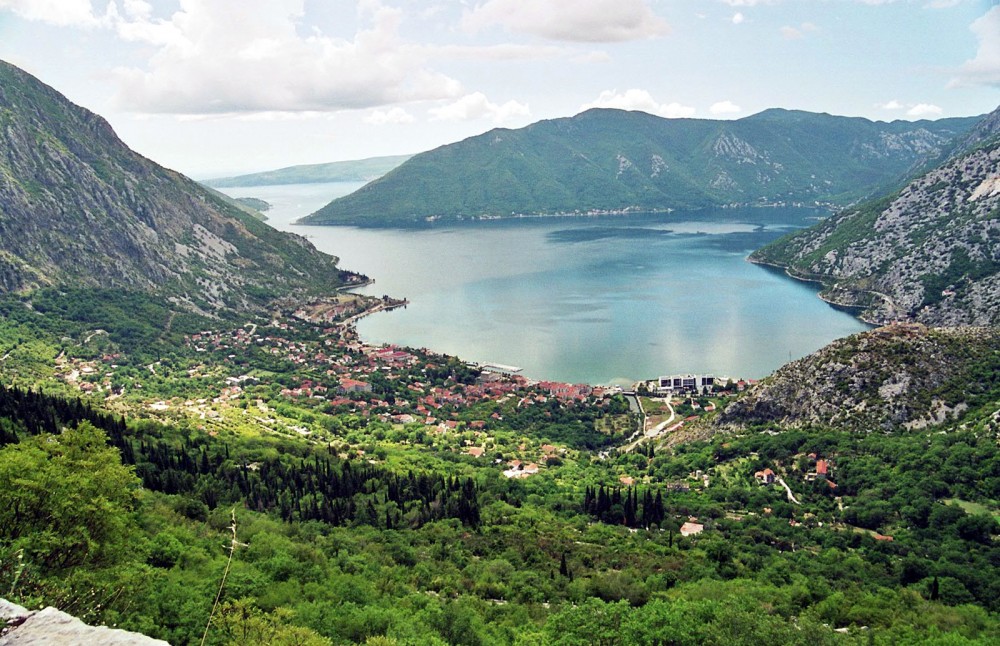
(583, 299)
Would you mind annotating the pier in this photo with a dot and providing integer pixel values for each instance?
(499, 368)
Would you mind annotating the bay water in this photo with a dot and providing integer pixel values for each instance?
(599, 300)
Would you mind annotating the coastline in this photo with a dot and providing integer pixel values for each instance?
(857, 311)
(625, 211)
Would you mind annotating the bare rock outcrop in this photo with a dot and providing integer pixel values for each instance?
(898, 377)
(51, 627)
(930, 253)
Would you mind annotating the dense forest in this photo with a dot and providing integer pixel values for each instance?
(131, 524)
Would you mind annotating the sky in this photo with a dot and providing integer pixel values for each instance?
(222, 87)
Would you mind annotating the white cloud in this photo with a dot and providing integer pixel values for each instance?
(229, 56)
(924, 110)
(796, 33)
(984, 69)
(137, 8)
(738, 18)
(570, 20)
(724, 107)
(56, 12)
(477, 106)
(392, 115)
(266, 116)
(641, 100)
(791, 33)
(919, 110)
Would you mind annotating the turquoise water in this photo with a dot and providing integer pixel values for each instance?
(596, 299)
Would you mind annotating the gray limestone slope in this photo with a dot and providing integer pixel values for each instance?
(929, 253)
(78, 207)
(902, 376)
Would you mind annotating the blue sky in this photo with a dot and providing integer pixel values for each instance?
(215, 87)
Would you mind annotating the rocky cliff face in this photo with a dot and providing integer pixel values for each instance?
(901, 376)
(79, 207)
(930, 253)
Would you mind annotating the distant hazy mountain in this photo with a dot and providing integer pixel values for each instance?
(611, 160)
(78, 207)
(930, 252)
(361, 170)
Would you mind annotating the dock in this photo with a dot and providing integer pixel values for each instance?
(499, 368)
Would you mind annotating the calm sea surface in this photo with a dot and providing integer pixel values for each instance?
(597, 300)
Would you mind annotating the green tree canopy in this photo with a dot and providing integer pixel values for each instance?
(66, 499)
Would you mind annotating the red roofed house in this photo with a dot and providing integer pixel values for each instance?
(764, 477)
(690, 529)
(348, 385)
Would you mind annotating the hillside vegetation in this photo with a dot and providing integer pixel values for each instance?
(612, 161)
(355, 528)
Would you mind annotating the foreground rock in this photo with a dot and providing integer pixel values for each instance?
(53, 627)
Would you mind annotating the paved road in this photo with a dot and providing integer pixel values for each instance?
(788, 490)
(662, 427)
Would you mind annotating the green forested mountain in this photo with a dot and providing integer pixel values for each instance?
(611, 160)
(360, 170)
(78, 207)
(929, 252)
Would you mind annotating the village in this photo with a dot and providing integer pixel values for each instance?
(314, 358)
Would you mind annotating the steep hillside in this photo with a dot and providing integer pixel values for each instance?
(360, 170)
(903, 376)
(77, 207)
(611, 160)
(930, 253)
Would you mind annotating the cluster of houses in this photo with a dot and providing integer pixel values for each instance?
(821, 470)
(342, 373)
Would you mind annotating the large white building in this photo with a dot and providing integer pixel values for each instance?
(685, 383)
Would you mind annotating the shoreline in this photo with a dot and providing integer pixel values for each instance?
(857, 311)
(428, 220)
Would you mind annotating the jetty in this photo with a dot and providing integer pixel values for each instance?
(499, 368)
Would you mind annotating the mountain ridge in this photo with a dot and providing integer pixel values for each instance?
(359, 170)
(605, 160)
(929, 252)
(78, 207)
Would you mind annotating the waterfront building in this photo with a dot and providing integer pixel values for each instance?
(685, 383)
